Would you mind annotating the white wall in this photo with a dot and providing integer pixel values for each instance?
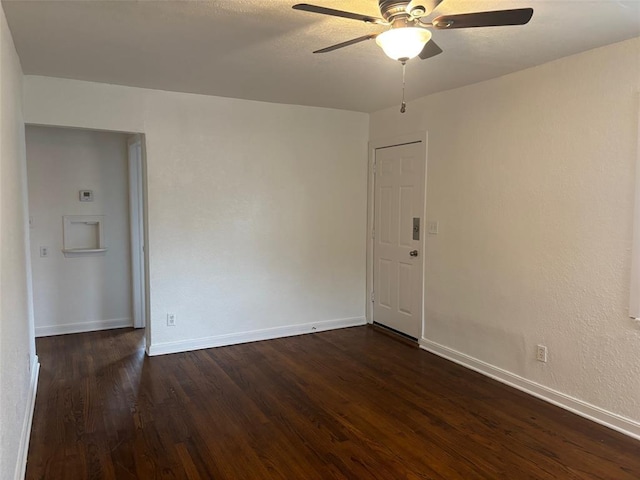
(17, 351)
(531, 177)
(90, 292)
(256, 211)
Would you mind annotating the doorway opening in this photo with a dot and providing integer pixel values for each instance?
(87, 210)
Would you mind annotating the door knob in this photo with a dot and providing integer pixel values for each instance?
(413, 253)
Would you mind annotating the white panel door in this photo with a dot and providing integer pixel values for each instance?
(397, 256)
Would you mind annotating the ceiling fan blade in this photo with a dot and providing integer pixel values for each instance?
(338, 13)
(347, 43)
(430, 50)
(518, 16)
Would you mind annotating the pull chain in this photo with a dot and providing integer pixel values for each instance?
(403, 106)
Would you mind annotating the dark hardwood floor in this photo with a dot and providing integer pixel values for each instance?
(345, 404)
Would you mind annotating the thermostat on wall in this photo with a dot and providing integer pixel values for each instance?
(86, 195)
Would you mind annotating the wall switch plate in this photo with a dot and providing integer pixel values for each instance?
(171, 319)
(44, 251)
(541, 353)
(433, 227)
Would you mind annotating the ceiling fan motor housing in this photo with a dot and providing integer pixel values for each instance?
(396, 9)
(393, 9)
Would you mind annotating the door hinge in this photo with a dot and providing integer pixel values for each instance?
(373, 297)
(373, 233)
(374, 167)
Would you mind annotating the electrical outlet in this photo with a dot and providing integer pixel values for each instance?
(44, 251)
(171, 319)
(541, 353)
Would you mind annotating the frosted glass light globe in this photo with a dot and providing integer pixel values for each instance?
(403, 43)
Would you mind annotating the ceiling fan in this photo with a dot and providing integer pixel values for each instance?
(410, 35)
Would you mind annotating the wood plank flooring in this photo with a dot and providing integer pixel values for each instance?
(344, 404)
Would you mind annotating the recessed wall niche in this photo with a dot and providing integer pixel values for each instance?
(83, 235)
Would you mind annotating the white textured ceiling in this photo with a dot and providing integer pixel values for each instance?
(261, 49)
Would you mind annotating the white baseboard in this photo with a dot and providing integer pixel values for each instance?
(252, 336)
(596, 414)
(50, 330)
(23, 449)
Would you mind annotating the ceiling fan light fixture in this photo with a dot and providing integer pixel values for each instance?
(403, 43)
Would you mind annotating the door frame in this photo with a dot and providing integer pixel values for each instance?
(414, 137)
(136, 224)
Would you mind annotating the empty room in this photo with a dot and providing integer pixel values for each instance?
(353, 239)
